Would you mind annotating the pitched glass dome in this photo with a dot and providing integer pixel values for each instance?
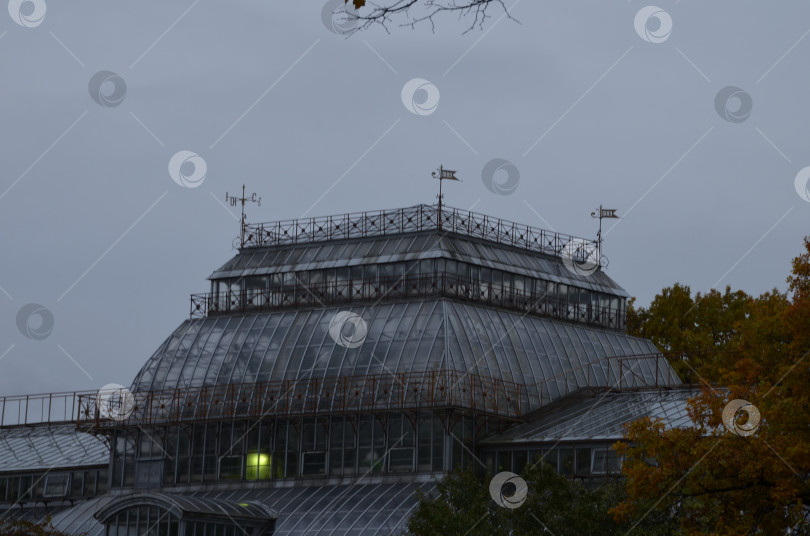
(401, 337)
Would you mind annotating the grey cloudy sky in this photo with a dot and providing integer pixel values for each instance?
(96, 231)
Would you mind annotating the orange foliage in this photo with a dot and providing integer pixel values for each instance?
(710, 479)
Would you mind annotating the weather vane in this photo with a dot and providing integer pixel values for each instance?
(443, 174)
(602, 213)
(244, 199)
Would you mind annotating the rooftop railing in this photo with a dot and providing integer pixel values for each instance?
(47, 408)
(414, 219)
(397, 288)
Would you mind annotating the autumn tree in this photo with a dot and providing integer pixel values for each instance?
(693, 332)
(740, 477)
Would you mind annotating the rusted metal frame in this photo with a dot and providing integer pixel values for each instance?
(281, 397)
(107, 427)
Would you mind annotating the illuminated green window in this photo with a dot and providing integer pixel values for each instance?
(258, 465)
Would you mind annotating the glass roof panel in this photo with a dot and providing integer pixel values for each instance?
(325, 252)
(392, 245)
(364, 509)
(79, 519)
(48, 447)
(274, 256)
(601, 417)
(398, 337)
(243, 261)
(347, 252)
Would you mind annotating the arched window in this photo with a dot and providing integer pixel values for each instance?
(160, 514)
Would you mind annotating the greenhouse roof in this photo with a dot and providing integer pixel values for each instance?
(35, 448)
(600, 416)
(550, 358)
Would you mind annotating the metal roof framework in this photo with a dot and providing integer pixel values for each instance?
(367, 507)
(189, 506)
(432, 390)
(38, 448)
(418, 337)
(601, 416)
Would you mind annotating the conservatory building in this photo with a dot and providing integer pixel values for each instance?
(338, 365)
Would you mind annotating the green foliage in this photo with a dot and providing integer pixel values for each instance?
(461, 505)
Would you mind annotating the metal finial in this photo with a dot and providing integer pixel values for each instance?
(244, 199)
(443, 174)
(602, 213)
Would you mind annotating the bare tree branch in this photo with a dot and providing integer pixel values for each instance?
(415, 12)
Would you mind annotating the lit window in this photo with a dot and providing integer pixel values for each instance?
(258, 466)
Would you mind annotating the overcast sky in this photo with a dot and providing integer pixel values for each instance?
(589, 107)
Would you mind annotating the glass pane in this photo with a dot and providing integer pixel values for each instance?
(196, 468)
(424, 443)
(148, 473)
(583, 461)
(566, 461)
(230, 467)
(76, 484)
(599, 461)
(313, 463)
(614, 463)
(56, 485)
(438, 444)
(401, 459)
(349, 460)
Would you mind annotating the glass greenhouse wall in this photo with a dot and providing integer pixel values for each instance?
(274, 449)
